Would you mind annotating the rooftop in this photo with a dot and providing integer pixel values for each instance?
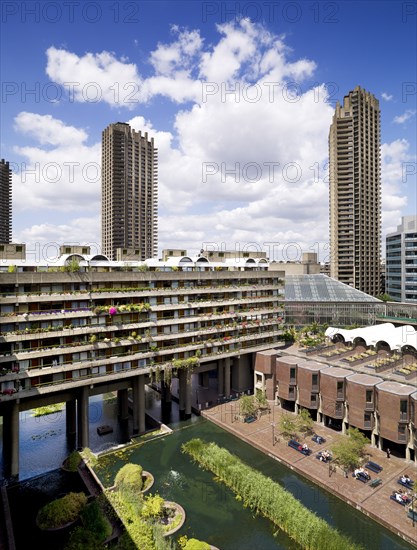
(321, 288)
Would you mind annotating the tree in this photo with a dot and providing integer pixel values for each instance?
(385, 297)
(304, 421)
(261, 399)
(288, 425)
(247, 405)
(348, 451)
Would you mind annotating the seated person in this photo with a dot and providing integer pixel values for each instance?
(399, 497)
(405, 479)
(305, 447)
(326, 454)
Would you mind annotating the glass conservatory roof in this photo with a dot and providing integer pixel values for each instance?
(321, 288)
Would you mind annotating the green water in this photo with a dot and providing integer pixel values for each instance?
(214, 515)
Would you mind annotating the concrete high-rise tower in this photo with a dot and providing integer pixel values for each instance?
(5, 202)
(129, 181)
(355, 192)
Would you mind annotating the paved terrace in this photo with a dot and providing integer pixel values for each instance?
(374, 502)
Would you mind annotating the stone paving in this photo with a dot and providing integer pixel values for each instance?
(374, 502)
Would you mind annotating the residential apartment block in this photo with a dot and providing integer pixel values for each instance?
(5, 202)
(366, 380)
(355, 192)
(129, 193)
(401, 261)
(87, 326)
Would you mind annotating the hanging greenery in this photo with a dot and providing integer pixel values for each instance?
(186, 364)
(168, 375)
(158, 375)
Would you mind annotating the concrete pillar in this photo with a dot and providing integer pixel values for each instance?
(11, 440)
(166, 392)
(188, 393)
(182, 388)
(296, 408)
(71, 417)
(135, 401)
(220, 377)
(373, 439)
(138, 390)
(227, 376)
(407, 453)
(142, 424)
(122, 404)
(82, 417)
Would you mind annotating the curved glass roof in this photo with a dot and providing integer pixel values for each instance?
(321, 288)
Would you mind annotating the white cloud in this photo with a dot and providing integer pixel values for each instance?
(235, 168)
(95, 77)
(400, 119)
(75, 231)
(63, 177)
(386, 97)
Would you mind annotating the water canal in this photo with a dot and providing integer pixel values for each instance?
(213, 513)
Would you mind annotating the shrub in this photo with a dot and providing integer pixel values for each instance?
(153, 507)
(95, 521)
(73, 461)
(130, 475)
(61, 511)
(195, 544)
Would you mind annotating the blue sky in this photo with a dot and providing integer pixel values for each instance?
(242, 170)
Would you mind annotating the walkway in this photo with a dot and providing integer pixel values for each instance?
(374, 502)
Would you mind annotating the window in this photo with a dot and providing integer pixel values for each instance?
(315, 380)
(292, 373)
(369, 396)
(403, 409)
(18, 249)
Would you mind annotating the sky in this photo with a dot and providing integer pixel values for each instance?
(238, 96)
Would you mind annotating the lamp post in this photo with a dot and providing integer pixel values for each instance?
(273, 433)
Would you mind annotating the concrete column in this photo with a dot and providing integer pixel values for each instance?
(138, 387)
(220, 377)
(166, 392)
(407, 453)
(227, 376)
(122, 404)
(11, 440)
(182, 388)
(71, 417)
(135, 401)
(296, 408)
(142, 424)
(82, 417)
(188, 393)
